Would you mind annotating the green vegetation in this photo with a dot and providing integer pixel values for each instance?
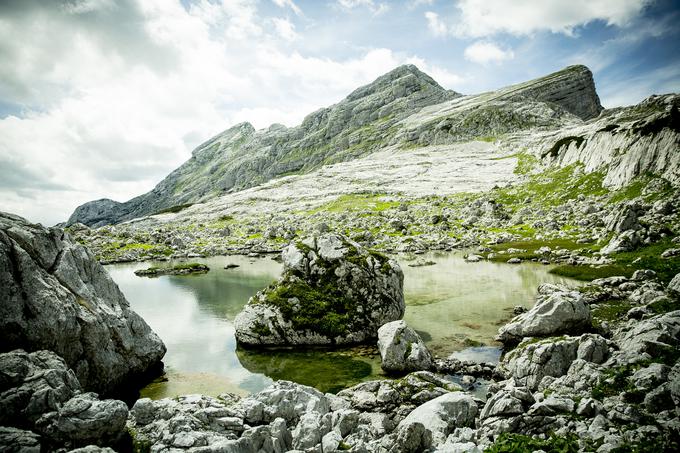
(610, 311)
(357, 202)
(177, 269)
(519, 443)
(173, 209)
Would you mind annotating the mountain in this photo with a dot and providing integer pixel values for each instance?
(404, 106)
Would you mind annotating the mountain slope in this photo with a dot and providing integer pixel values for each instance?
(404, 106)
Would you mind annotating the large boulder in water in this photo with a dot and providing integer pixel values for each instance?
(55, 296)
(332, 292)
(402, 349)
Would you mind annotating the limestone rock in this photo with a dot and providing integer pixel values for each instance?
(83, 420)
(332, 291)
(402, 349)
(557, 310)
(57, 297)
(529, 364)
(441, 415)
(39, 392)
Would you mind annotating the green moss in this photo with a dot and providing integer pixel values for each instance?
(319, 309)
(525, 163)
(140, 444)
(664, 305)
(344, 446)
(519, 443)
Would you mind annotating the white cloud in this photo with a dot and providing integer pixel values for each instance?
(523, 17)
(288, 4)
(285, 28)
(112, 110)
(435, 24)
(375, 8)
(484, 52)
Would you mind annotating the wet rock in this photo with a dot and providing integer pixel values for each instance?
(57, 297)
(557, 310)
(332, 291)
(402, 349)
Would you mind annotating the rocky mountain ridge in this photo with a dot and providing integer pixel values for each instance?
(369, 119)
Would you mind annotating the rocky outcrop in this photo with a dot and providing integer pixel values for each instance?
(41, 402)
(557, 310)
(572, 88)
(55, 296)
(402, 349)
(332, 291)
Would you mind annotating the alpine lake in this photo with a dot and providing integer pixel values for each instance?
(455, 306)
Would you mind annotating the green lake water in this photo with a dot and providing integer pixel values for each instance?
(454, 306)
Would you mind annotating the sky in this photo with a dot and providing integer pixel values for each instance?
(103, 98)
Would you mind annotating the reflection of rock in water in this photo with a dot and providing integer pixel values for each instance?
(224, 295)
(425, 336)
(328, 371)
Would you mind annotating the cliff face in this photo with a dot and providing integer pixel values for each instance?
(572, 88)
(56, 296)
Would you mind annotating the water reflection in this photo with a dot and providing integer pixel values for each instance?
(452, 304)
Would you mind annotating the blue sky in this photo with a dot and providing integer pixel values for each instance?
(103, 98)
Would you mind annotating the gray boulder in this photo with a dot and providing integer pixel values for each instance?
(57, 297)
(402, 349)
(624, 242)
(332, 291)
(40, 393)
(442, 415)
(84, 419)
(557, 310)
(529, 364)
(674, 285)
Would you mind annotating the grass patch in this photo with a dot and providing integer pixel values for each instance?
(520, 443)
(357, 202)
(173, 209)
(611, 310)
(588, 273)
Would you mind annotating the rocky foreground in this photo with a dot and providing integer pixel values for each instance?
(590, 369)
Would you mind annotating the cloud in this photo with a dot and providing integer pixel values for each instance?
(484, 52)
(479, 18)
(375, 8)
(288, 4)
(285, 28)
(435, 24)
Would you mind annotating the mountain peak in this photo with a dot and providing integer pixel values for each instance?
(573, 88)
